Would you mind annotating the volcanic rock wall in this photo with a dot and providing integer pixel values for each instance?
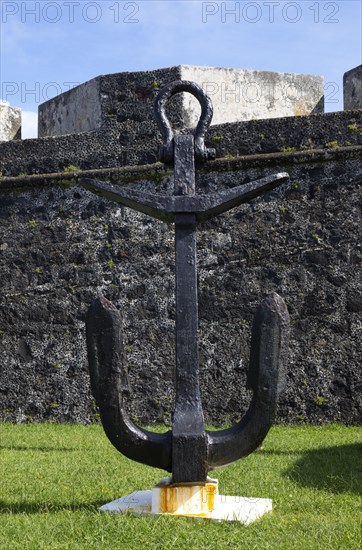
(60, 246)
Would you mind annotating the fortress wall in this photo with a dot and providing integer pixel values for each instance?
(60, 246)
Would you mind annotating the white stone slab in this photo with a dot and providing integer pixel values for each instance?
(139, 502)
(242, 509)
(228, 508)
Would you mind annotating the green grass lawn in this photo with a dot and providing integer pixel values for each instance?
(54, 478)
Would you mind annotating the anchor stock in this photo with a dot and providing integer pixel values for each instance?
(188, 450)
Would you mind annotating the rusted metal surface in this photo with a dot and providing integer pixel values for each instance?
(186, 499)
(188, 450)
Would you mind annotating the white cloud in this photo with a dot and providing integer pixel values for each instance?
(29, 126)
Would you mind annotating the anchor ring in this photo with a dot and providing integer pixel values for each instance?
(202, 153)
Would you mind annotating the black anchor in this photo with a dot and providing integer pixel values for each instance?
(188, 450)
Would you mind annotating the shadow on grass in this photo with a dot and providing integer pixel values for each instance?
(47, 507)
(40, 449)
(337, 469)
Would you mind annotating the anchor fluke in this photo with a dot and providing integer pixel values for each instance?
(110, 387)
(269, 346)
(266, 377)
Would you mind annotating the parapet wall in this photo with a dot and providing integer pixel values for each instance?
(60, 246)
(132, 142)
(237, 95)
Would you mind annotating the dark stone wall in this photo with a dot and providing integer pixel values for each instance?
(119, 97)
(131, 142)
(352, 89)
(60, 246)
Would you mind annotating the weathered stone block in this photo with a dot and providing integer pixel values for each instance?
(237, 95)
(10, 122)
(352, 89)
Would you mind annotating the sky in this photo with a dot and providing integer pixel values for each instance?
(48, 47)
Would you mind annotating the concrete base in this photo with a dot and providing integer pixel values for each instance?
(197, 501)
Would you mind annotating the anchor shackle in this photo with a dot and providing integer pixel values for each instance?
(166, 152)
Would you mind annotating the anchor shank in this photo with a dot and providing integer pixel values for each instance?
(186, 310)
(184, 167)
(189, 439)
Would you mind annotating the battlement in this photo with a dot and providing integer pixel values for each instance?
(10, 122)
(237, 95)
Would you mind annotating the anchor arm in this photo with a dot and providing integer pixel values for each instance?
(165, 207)
(157, 206)
(266, 377)
(109, 383)
(218, 203)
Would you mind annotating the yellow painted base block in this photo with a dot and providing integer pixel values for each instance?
(184, 499)
(188, 500)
